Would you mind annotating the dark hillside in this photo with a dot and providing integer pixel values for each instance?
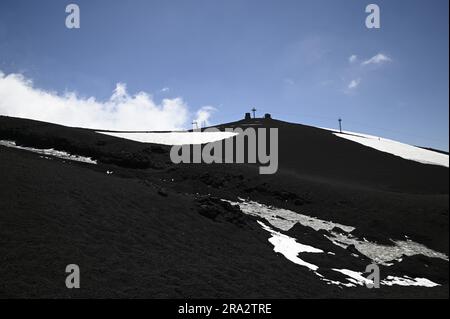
(152, 229)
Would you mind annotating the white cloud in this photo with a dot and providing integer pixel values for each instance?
(165, 90)
(122, 111)
(203, 116)
(354, 84)
(352, 58)
(377, 59)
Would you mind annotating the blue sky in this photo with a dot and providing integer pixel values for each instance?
(288, 58)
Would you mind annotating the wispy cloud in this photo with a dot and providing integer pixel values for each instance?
(356, 71)
(377, 59)
(352, 58)
(122, 111)
(165, 90)
(354, 84)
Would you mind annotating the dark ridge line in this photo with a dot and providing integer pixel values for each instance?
(111, 131)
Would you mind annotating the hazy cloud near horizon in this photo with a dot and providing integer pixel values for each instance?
(122, 111)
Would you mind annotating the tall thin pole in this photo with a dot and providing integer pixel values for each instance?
(340, 125)
(195, 123)
(254, 110)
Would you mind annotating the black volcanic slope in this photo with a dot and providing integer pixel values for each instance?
(316, 153)
(157, 230)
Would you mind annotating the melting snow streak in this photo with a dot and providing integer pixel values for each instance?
(50, 152)
(290, 248)
(284, 220)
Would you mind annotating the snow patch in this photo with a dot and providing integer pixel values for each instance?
(49, 152)
(408, 281)
(402, 150)
(290, 248)
(354, 277)
(173, 138)
(357, 278)
(384, 254)
(284, 219)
